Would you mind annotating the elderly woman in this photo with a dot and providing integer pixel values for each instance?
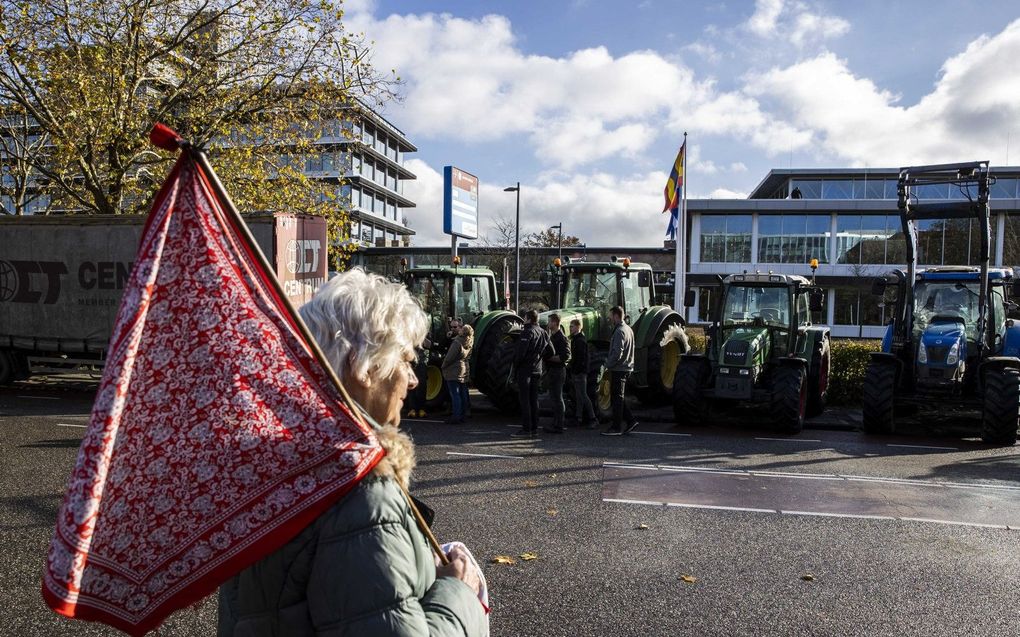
(363, 567)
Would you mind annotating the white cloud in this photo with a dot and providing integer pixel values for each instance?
(967, 115)
(706, 51)
(793, 22)
(724, 193)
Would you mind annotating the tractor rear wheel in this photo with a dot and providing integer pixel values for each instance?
(436, 394)
(489, 343)
(1001, 412)
(818, 379)
(663, 360)
(690, 407)
(500, 385)
(789, 399)
(878, 398)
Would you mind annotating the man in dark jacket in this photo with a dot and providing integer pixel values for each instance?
(578, 370)
(619, 365)
(556, 372)
(532, 347)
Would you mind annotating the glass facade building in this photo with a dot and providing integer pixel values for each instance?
(848, 220)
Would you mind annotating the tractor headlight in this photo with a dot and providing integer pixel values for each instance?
(922, 354)
(723, 370)
(954, 354)
(745, 372)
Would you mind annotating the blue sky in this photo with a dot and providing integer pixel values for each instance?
(585, 102)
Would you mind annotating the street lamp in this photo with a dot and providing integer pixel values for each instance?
(559, 256)
(517, 247)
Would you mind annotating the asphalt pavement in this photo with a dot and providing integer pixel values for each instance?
(680, 555)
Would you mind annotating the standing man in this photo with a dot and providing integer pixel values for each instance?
(532, 346)
(578, 370)
(556, 375)
(620, 364)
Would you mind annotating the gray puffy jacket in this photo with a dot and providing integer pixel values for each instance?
(362, 568)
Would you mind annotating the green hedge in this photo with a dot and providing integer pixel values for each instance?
(846, 371)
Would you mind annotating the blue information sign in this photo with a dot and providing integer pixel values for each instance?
(460, 203)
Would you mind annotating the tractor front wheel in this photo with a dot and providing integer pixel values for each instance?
(599, 386)
(436, 394)
(690, 407)
(789, 399)
(1001, 412)
(818, 381)
(500, 385)
(878, 398)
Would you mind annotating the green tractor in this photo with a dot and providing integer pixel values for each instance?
(590, 290)
(470, 295)
(762, 349)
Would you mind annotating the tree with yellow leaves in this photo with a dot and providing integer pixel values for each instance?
(263, 85)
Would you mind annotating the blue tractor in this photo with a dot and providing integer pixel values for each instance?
(950, 342)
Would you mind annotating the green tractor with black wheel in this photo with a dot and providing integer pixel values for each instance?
(468, 294)
(590, 290)
(762, 349)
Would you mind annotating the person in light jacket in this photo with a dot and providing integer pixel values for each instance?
(619, 365)
(363, 567)
(456, 372)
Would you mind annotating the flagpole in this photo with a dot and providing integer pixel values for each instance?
(229, 207)
(680, 278)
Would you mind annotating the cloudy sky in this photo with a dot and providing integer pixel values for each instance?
(585, 102)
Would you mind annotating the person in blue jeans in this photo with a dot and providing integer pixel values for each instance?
(455, 373)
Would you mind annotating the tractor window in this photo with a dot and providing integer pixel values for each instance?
(999, 311)
(803, 313)
(433, 294)
(479, 299)
(946, 300)
(596, 289)
(764, 306)
(635, 297)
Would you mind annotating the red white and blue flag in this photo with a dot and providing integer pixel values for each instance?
(673, 192)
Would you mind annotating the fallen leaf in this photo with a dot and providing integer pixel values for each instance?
(527, 557)
(502, 559)
(641, 527)
(690, 579)
(551, 511)
(808, 578)
(530, 483)
(553, 475)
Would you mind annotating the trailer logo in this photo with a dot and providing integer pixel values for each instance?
(303, 255)
(16, 281)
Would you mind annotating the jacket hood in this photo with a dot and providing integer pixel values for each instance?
(399, 461)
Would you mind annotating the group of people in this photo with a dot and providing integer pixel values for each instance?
(455, 370)
(550, 352)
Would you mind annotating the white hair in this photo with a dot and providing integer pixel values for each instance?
(364, 324)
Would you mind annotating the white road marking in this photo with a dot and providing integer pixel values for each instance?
(40, 397)
(923, 447)
(64, 424)
(483, 455)
(658, 433)
(791, 439)
(840, 515)
(813, 476)
(682, 505)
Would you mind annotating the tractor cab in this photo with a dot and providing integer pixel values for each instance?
(446, 292)
(591, 289)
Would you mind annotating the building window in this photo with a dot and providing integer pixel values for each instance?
(856, 306)
(874, 188)
(1011, 245)
(837, 189)
(793, 238)
(862, 239)
(1003, 189)
(366, 233)
(809, 189)
(932, 191)
(726, 238)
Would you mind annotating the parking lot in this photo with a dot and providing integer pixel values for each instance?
(727, 529)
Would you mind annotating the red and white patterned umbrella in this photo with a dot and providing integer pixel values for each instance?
(216, 436)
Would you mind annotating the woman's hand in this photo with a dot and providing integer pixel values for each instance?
(460, 567)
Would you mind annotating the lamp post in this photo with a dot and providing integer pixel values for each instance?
(559, 257)
(517, 247)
